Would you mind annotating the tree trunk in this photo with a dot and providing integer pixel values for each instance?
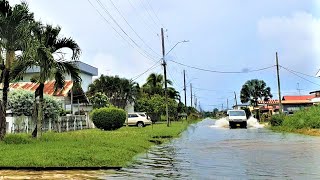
(38, 114)
(3, 105)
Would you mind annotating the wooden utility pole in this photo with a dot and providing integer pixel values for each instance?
(185, 92)
(165, 76)
(191, 94)
(279, 91)
(235, 98)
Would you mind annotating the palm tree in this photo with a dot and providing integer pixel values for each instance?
(253, 90)
(15, 34)
(46, 45)
(173, 94)
(155, 84)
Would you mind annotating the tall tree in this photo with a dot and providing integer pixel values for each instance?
(254, 90)
(155, 84)
(15, 23)
(47, 44)
(120, 91)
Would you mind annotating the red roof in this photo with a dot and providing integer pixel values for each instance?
(294, 98)
(48, 87)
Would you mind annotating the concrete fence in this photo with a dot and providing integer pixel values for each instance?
(25, 124)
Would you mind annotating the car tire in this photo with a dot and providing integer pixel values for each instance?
(231, 125)
(244, 125)
(140, 124)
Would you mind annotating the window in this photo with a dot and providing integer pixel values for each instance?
(132, 115)
(143, 115)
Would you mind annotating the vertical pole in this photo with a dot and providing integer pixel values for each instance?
(222, 107)
(278, 77)
(227, 104)
(78, 107)
(185, 92)
(71, 100)
(235, 98)
(165, 76)
(191, 94)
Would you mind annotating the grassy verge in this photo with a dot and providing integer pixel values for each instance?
(85, 148)
(305, 121)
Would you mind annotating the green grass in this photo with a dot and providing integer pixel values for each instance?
(85, 148)
(305, 121)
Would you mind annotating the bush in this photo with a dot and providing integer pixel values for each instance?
(305, 118)
(277, 120)
(108, 118)
(17, 139)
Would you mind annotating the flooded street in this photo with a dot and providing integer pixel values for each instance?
(210, 150)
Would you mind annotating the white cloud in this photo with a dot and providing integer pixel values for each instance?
(295, 37)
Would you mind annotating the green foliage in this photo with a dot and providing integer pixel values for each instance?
(277, 120)
(305, 118)
(99, 100)
(17, 139)
(108, 118)
(156, 104)
(118, 90)
(253, 90)
(21, 102)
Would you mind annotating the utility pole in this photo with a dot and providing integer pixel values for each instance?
(227, 104)
(298, 88)
(191, 93)
(278, 76)
(222, 107)
(165, 75)
(235, 98)
(185, 92)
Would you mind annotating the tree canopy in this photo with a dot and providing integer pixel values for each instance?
(254, 90)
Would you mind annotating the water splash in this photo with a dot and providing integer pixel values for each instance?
(253, 122)
(224, 123)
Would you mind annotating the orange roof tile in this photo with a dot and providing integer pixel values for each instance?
(48, 87)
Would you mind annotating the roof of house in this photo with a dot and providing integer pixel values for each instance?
(48, 87)
(83, 67)
(297, 101)
(298, 98)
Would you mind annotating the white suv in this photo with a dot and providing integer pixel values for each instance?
(138, 119)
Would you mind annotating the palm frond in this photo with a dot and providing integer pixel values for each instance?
(68, 43)
(19, 68)
(69, 68)
(59, 80)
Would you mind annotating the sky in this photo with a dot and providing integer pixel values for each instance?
(123, 38)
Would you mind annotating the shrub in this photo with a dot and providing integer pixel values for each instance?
(108, 118)
(277, 120)
(305, 118)
(17, 139)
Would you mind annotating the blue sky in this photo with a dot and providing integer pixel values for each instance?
(229, 35)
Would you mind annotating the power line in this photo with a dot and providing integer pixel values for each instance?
(143, 5)
(145, 53)
(300, 72)
(154, 12)
(223, 72)
(300, 76)
(149, 69)
(142, 19)
(132, 28)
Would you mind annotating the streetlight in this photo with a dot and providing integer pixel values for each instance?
(184, 41)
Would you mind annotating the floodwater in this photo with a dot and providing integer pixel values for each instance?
(210, 150)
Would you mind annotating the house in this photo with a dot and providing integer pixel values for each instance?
(294, 103)
(271, 106)
(86, 73)
(241, 106)
(316, 98)
(70, 96)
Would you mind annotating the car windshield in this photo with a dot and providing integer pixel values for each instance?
(237, 113)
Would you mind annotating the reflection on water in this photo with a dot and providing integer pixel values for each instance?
(209, 151)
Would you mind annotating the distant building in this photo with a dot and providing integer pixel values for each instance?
(294, 103)
(86, 73)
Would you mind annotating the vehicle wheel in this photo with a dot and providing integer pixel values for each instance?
(244, 124)
(231, 125)
(140, 124)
